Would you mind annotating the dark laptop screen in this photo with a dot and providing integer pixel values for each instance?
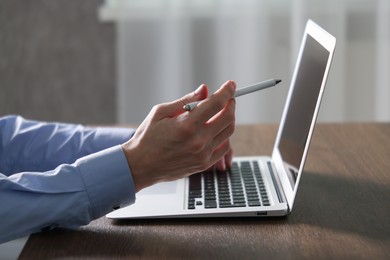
(302, 105)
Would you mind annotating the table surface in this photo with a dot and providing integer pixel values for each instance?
(342, 210)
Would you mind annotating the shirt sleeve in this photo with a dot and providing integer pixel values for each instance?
(34, 197)
(27, 145)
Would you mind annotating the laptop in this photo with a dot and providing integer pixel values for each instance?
(256, 185)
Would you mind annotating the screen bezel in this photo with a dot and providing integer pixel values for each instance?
(328, 42)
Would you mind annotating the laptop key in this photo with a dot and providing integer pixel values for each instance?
(191, 204)
(254, 203)
(208, 204)
(239, 204)
(195, 189)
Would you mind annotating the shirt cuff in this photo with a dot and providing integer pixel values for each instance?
(108, 180)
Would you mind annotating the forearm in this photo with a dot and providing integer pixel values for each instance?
(71, 195)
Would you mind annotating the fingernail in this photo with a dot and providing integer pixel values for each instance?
(234, 84)
(221, 167)
(197, 91)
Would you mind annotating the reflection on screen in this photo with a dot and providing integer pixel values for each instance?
(302, 106)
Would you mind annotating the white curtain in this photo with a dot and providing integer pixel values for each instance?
(166, 48)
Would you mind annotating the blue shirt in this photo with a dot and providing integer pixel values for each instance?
(59, 175)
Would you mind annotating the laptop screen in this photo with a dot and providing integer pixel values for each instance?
(302, 106)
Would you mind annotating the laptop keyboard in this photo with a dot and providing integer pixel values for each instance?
(240, 186)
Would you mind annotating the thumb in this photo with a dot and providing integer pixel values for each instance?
(176, 107)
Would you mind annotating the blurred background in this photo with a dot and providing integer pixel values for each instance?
(107, 62)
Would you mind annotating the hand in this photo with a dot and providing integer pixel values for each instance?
(172, 143)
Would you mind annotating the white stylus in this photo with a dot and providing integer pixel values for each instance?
(242, 91)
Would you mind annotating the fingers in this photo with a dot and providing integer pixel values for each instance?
(226, 161)
(176, 107)
(220, 124)
(229, 157)
(219, 154)
(205, 109)
(220, 165)
(215, 103)
(223, 119)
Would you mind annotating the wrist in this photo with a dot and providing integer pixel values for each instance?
(136, 166)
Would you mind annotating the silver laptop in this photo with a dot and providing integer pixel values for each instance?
(254, 186)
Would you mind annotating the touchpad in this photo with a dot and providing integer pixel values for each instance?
(160, 188)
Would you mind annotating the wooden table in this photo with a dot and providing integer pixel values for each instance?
(342, 211)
